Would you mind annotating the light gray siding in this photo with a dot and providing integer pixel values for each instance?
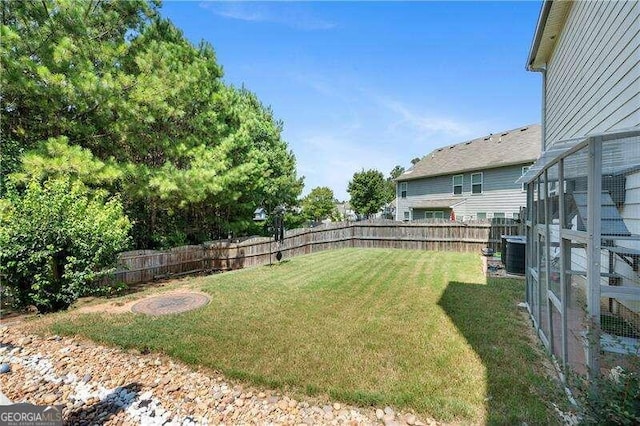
(499, 194)
(503, 201)
(630, 213)
(630, 210)
(593, 75)
(502, 178)
(438, 185)
(593, 85)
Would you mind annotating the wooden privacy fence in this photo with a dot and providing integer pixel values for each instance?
(146, 265)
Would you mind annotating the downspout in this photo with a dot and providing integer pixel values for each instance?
(533, 52)
(532, 248)
(543, 121)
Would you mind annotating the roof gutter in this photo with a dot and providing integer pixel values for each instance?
(542, 21)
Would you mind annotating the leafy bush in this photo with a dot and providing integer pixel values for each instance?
(56, 239)
(615, 400)
(107, 289)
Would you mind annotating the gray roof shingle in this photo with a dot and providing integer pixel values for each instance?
(517, 146)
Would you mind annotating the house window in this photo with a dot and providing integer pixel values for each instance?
(433, 215)
(403, 191)
(476, 183)
(407, 216)
(457, 185)
(525, 169)
(481, 216)
(499, 215)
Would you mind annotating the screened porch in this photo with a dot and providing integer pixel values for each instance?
(583, 250)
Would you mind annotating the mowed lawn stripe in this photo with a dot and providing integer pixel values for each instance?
(366, 326)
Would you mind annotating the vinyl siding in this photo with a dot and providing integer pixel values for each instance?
(439, 185)
(593, 75)
(630, 211)
(504, 201)
(500, 194)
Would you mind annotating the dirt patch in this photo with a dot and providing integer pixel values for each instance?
(119, 307)
(172, 303)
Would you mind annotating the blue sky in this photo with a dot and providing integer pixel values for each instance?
(363, 85)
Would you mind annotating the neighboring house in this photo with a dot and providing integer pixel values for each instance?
(260, 214)
(388, 211)
(346, 212)
(470, 180)
(583, 226)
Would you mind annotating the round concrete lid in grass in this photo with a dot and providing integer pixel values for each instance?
(173, 303)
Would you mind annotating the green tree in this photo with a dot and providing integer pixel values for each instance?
(293, 219)
(319, 204)
(57, 240)
(396, 172)
(391, 183)
(369, 192)
(190, 157)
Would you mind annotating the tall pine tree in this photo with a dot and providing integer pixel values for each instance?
(136, 109)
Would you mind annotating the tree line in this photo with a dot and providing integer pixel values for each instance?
(117, 129)
(369, 191)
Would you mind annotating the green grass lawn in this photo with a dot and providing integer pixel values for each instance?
(422, 331)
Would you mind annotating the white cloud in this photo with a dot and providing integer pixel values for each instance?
(400, 116)
(424, 123)
(359, 128)
(295, 16)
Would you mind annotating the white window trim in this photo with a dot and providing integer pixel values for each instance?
(481, 183)
(524, 170)
(453, 184)
(406, 215)
(403, 185)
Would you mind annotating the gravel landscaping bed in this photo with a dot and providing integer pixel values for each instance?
(100, 385)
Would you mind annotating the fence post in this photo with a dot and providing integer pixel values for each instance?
(353, 234)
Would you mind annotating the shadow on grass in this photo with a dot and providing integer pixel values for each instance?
(517, 389)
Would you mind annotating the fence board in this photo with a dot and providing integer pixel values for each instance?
(222, 255)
